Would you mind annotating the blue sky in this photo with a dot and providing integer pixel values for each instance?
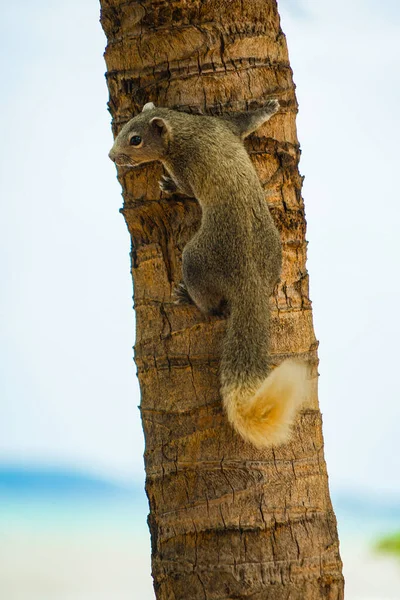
(68, 387)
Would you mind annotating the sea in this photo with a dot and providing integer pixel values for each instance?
(67, 535)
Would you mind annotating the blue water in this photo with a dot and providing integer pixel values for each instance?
(52, 498)
(62, 498)
(366, 516)
(72, 536)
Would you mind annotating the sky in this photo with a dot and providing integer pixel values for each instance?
(68, 389)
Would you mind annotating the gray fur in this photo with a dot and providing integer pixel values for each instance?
(234, 260)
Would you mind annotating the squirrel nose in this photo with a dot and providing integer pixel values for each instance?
(111, 155)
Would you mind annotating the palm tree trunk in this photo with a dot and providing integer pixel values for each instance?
(226, 520)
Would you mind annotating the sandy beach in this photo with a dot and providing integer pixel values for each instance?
(49, 565)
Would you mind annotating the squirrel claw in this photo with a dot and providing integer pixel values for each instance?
(181, 295)
(167, 185)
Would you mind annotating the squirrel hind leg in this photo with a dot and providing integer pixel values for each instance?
(244, 123)
(208, 301)
(200, 281)
(181, 296)
(213, 307)
(222, 310)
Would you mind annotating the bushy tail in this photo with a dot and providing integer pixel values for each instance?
(261, 410)
(264, 417)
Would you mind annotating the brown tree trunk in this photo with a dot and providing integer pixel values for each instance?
(227, 521)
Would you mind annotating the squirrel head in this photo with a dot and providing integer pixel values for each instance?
(143, 139)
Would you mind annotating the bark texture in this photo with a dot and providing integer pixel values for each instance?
(226, 521)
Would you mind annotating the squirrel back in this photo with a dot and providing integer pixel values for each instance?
(232, 263)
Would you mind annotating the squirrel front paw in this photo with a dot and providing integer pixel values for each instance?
(271, 106)
(181, 295)
(167, 185)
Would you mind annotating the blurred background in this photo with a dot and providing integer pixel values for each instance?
(72, 506)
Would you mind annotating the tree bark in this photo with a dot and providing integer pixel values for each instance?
(227, 521)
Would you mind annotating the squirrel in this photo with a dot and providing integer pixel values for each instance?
(233, 262)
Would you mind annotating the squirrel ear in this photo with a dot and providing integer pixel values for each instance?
(162, 128)
(148, 106)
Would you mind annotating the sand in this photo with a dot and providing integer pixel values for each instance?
(48, 565)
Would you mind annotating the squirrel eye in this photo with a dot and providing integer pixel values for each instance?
(135, 140)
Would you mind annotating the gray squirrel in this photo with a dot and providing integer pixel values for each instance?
(232, 263)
